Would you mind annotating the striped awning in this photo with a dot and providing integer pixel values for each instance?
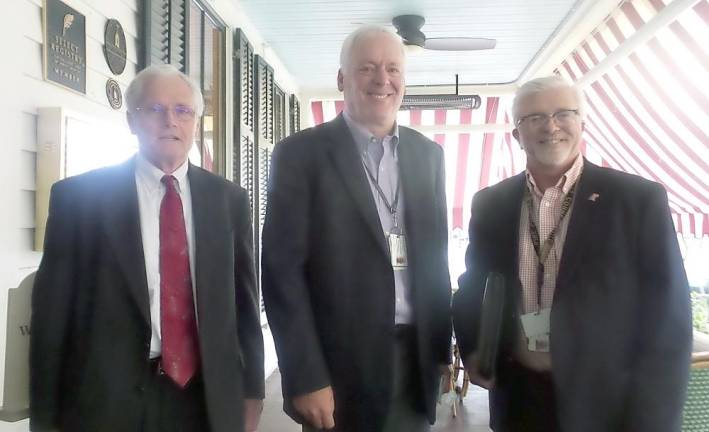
(647, 113)
(648, 110)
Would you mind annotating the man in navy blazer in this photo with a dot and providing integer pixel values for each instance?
(355, 274)
(127, 244)
(597, 323)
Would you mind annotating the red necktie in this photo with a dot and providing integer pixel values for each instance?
(180, 347)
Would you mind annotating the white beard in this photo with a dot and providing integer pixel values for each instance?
(552, 154)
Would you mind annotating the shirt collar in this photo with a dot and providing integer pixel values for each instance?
(566, 181)
(152, 176)
(363, 136)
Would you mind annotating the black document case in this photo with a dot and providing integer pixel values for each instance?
(491, 321)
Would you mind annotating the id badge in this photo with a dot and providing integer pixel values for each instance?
(536, 326)
(538, 343)
(397, 251)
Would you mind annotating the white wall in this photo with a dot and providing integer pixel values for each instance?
(10, 181)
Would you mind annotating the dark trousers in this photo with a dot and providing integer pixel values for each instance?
(524, 401)
(407, 412)
(168, 408)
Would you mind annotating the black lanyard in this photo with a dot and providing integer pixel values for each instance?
(542, 251)
(394, 205)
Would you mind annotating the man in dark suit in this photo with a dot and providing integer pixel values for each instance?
(144, 311)
(597, 332)
(355, 273)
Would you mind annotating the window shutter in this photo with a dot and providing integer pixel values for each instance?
(164, 23)
(294, 114)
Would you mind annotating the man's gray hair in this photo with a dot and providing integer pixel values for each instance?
(134, 92)
(360, 32)
(546, 83)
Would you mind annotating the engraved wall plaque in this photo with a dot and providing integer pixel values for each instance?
(114, 46)
(64, 45)
(114, 94)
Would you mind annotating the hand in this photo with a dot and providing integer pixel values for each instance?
(446, 372)
(471, 366)
(252, 414)
(317, 408)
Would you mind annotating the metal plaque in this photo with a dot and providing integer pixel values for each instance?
(113, 93)
(64, 45)
(114, 46)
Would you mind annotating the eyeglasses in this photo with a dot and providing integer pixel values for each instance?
(565, 116)
(182, 113)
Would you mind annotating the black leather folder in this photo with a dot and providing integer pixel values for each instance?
(491, 321)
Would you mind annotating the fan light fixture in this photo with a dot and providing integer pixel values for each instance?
(409, 28)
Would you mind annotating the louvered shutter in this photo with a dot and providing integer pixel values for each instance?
(244, 156)
(294, 116)
(164, 23)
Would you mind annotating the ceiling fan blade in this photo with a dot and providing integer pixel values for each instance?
(459, 43)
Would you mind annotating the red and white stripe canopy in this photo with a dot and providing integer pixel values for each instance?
(647, 114)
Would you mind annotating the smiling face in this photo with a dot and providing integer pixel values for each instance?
(554, 143)
(373, 81)
(165, 139)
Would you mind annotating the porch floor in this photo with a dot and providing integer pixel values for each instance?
(472, 415)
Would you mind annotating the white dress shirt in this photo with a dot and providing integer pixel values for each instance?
(150, 194)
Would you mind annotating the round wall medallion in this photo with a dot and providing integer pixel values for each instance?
(113, 93)
(114, 46)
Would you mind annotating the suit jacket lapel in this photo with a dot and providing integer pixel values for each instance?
(348, 161)
(507, 213)
(417, 177)
(208, 228)
(122, 225)
(583, 225)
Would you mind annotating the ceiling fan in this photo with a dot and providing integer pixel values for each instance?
(409, 28)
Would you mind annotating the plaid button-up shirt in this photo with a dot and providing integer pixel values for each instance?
(546, 211)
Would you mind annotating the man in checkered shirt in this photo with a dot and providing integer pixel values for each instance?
(597, 322)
